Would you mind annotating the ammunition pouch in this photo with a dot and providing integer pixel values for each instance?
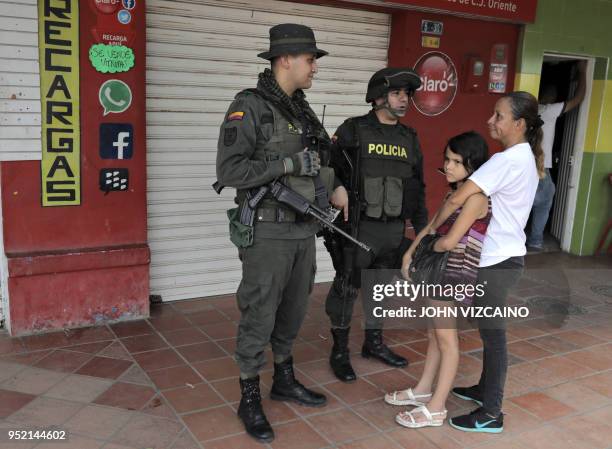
(383, 194)
(394, 190)
(303, 185)
(241, 234)
(327, 176)
(307, 185)
(373, 189)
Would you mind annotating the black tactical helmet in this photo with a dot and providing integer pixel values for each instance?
(391, 78)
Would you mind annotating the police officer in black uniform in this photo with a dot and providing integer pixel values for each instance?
(380, 157)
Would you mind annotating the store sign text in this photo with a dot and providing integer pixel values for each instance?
(59, 84)
(511, 10)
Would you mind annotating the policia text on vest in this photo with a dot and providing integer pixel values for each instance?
(383, 149)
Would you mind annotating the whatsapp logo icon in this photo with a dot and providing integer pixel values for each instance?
(115, 96)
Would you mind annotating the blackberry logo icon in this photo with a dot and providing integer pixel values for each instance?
(114, 179)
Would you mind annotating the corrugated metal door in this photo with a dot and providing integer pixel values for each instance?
(19, 96)
(19, 81)
(199, 55)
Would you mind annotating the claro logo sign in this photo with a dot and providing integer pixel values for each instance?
(438, 83)
(107, 6)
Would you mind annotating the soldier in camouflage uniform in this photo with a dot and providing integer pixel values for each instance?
(265, 136)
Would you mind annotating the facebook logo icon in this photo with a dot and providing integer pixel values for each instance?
(129, 4)
(116, 141)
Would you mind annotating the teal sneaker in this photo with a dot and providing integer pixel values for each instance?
(478, 421)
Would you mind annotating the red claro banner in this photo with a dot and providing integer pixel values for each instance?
(438, 83)
(521, 11)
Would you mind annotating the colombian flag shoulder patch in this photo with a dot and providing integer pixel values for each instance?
(238, 115)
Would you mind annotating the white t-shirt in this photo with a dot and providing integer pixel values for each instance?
(549, 114)
(510, 178)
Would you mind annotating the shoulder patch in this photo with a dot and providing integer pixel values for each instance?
(267, 117)
(229, 136)
(238, 115)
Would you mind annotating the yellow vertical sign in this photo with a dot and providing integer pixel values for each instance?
(58, 37)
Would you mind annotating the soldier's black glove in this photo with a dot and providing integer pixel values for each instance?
(304, 163)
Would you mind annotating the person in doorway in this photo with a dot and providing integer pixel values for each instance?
(550, 110)
(510, 179)
(461, 234)
(379, 159)
(266, 134)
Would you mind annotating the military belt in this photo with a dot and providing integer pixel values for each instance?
(275, 215)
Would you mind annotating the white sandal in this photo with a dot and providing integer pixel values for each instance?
(413, 399)
(433, 419)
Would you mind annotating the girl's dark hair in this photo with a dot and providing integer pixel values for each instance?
(473, 149)
(525, 106)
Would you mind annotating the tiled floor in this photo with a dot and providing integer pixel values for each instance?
(170, 381)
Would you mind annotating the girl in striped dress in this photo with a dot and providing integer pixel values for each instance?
(462, 235)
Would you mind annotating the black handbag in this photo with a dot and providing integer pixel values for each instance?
(427, 265)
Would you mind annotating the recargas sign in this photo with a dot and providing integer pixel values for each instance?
(438, 83)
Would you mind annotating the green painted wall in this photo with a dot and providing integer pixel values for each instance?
(582, 28)
(568, 26)
(594, 205)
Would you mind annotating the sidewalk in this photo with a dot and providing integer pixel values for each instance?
(170, 381)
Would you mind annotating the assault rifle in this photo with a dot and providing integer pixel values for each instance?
(342, 255)
(295, 201)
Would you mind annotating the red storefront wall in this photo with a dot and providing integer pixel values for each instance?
(79, 265)
(464, 41)
(73, 266)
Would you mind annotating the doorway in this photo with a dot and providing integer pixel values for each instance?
(561, 71)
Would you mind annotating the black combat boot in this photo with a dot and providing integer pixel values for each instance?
(339, 358)
(250, 412)
(286, 388)
(374, 347)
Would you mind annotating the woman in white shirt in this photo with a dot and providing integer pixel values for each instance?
(510, 178)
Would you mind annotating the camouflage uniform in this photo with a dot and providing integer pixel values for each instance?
(278, 269)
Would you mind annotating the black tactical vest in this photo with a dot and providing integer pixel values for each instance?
(389, 157)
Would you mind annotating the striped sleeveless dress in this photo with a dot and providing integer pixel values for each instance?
(463, 260)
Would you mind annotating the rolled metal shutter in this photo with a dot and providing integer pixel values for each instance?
(199, 55)
(19, 98)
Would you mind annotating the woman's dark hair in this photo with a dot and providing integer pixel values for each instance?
(525, 106)
(472, 148)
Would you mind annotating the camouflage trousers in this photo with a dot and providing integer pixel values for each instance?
(277, 279)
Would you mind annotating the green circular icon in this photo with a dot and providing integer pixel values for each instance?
(115, 96)
(111, 58)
